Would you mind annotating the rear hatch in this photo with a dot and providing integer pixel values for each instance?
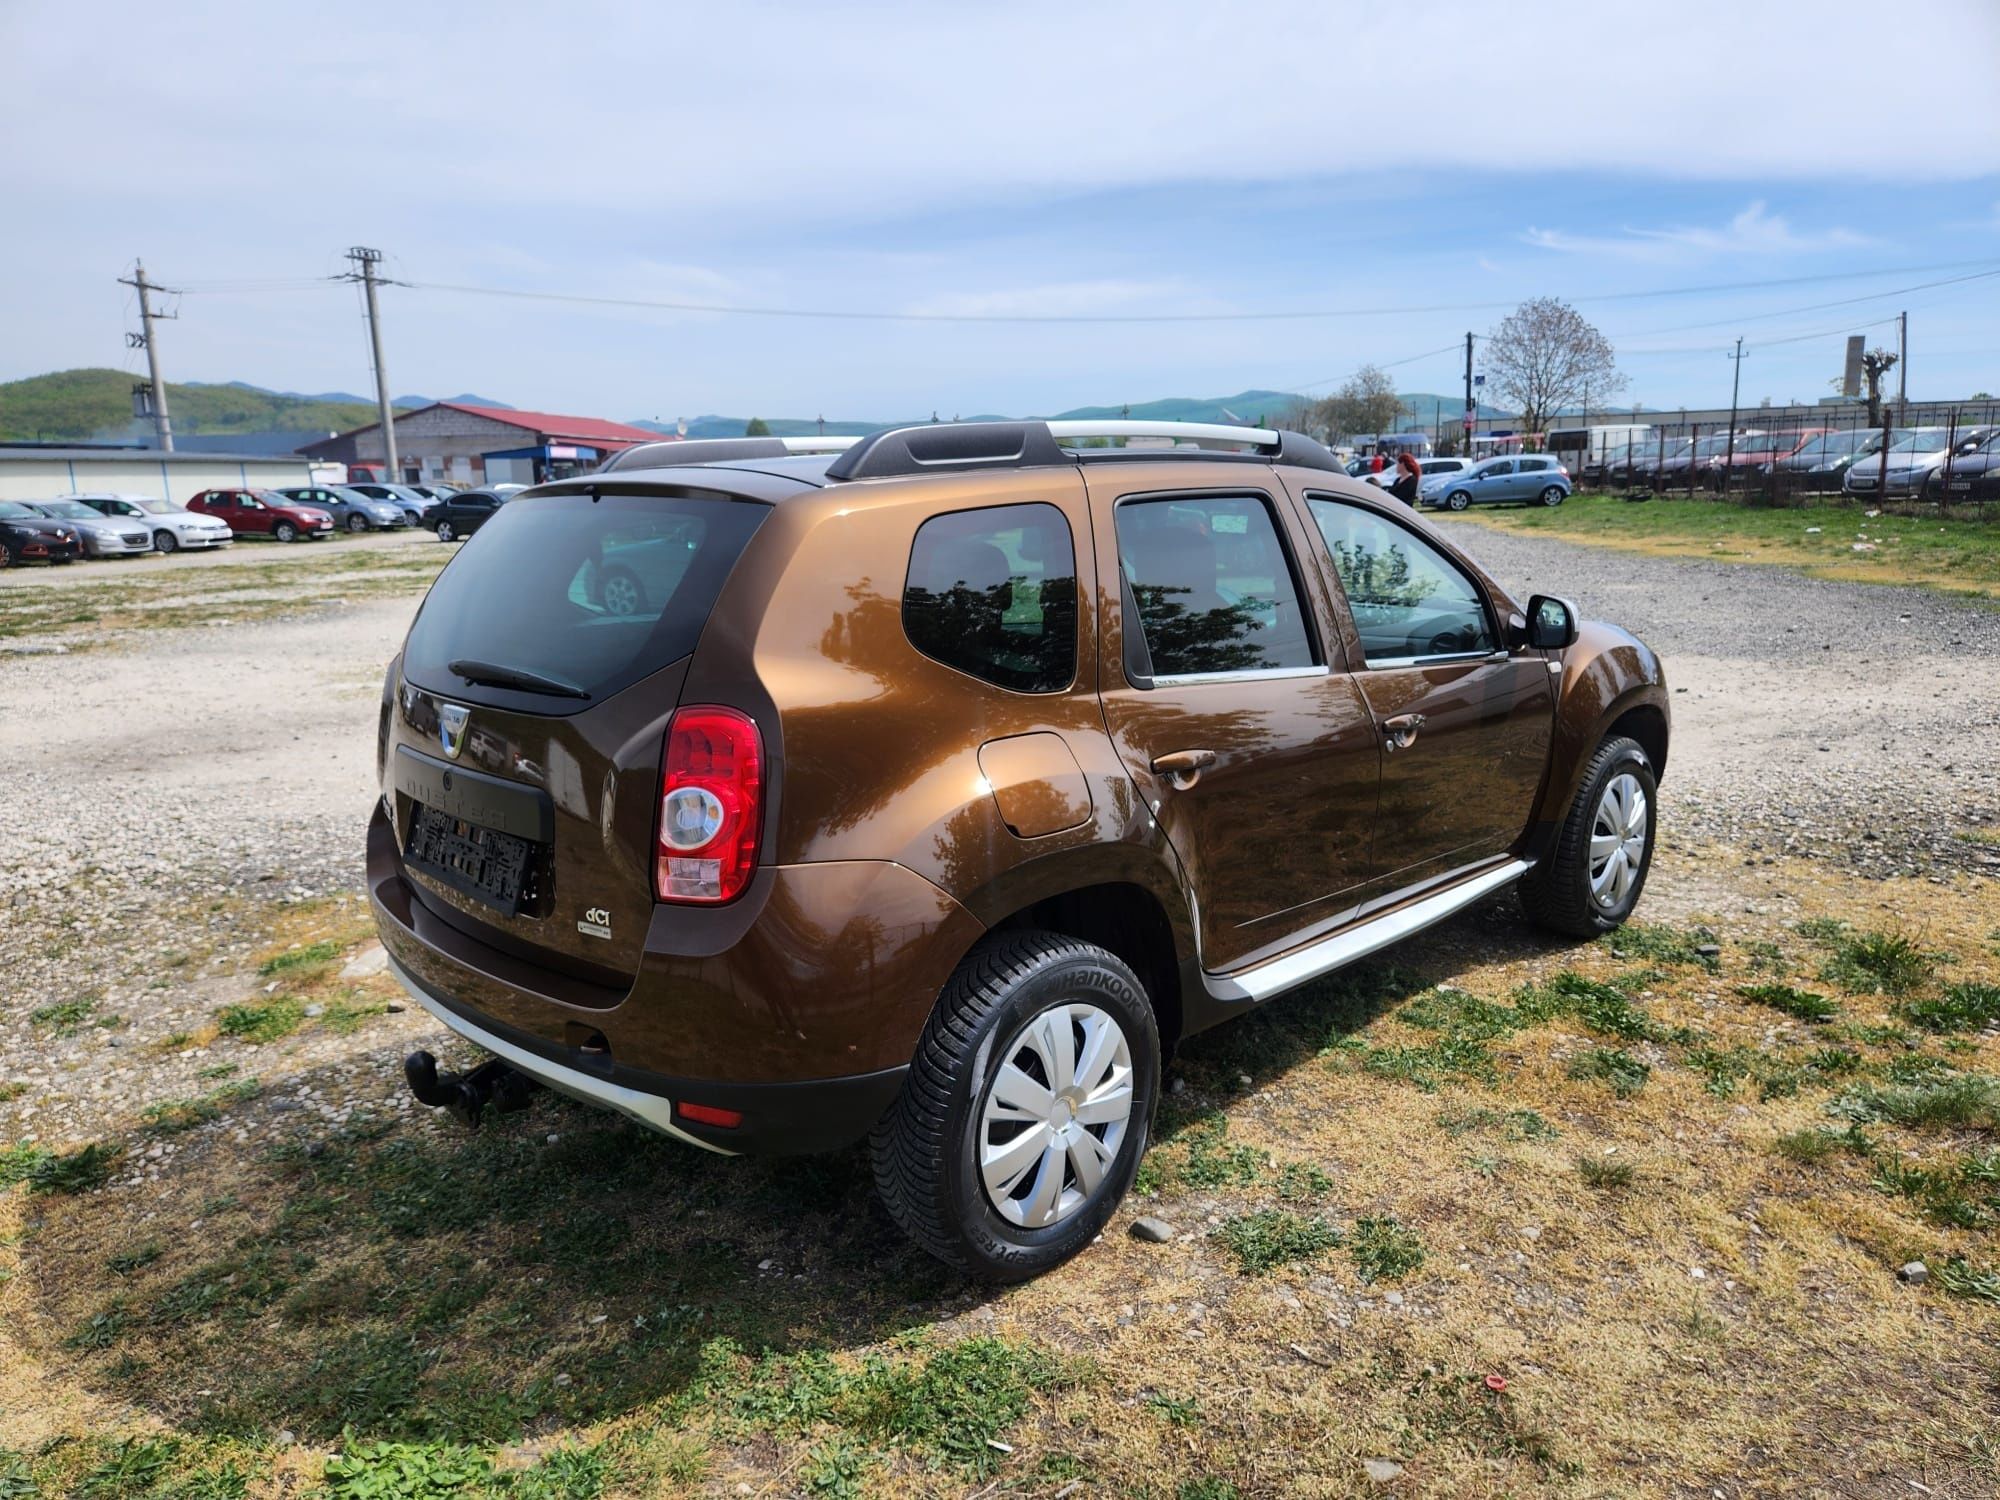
(538, 680)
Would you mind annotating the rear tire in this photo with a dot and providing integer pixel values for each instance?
(285, 531)
(990, 1167)
(1553, 496)
(166, 541)
(444, 531)
(619, 592)
(1580, 887)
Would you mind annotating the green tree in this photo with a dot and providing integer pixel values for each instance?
(757, 427)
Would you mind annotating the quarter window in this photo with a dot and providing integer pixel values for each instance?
(992, 593)
(1212, 589)
(1408, 599)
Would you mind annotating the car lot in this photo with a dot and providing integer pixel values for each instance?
(238, 756)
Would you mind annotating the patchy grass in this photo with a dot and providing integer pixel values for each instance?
(1275, 1237)
(1603, 1175)
(1951, 551)
(1384, 1249)
(1801, 1005)
(67, 1018)
(263, 1020)
(303, 964)
(1876, 963)
(1971, 1006)
(1614, 1067)
(48, 1171)
(171, 1116)
(1660, 944)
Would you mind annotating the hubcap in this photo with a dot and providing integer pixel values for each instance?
(1055, 1115)
(1617, 840)
(621, 596)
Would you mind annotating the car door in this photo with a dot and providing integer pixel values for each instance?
(1496, 481)
(473, 511)
(1250, 743)
(1466, 720)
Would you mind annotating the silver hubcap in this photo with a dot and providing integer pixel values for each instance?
(1617, 840)
(1055, 1115)
(621, 596)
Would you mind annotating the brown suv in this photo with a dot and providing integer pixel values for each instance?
(933, 794)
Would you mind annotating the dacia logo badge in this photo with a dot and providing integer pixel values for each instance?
(451, 727)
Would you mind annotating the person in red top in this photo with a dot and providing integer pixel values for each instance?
(1377, 463)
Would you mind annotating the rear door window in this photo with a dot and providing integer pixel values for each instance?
(1211, 586)
(590, 595)
(992, 592)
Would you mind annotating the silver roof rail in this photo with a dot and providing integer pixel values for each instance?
(940, 446)
(1180, 432)
(674, 453)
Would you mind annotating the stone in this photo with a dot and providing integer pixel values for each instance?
(372, 960)
(1153, 1231)
(1382, 1470)
(1916, 1273)
(1178, 1086)
(1531, 1232)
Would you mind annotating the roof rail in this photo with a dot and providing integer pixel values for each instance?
(676, 452)
(1017, 445)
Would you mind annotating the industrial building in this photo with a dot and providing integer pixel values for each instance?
(448, 442)
(41, 471)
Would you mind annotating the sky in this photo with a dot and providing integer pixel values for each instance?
(1301, 189)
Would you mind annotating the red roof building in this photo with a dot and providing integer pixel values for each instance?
(449, 442)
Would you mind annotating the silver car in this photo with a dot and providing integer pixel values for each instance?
(173, 528)
(102, 535)
(349, 507)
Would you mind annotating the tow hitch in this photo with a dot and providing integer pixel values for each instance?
(466, 1095)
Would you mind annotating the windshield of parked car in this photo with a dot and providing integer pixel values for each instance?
(67, 510)
(273, 497)
(154, 507)
(14, 510)
(1931, 440)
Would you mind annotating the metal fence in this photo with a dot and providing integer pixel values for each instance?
(1697, 459)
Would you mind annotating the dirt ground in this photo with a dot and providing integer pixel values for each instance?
(1665, 1215)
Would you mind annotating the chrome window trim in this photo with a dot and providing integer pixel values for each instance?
(1247, 674)
(1425, 661)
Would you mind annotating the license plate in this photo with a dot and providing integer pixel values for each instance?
(482, 862)
(1961, 484)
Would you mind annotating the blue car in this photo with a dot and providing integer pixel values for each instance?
(1524, 479)
(417, 507)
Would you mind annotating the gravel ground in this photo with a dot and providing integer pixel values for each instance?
(1845, 722)
(171, 795)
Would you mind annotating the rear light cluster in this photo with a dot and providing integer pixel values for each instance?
(711, 806)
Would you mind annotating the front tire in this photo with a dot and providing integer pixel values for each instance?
(1553, 496)
(166, 541)
(1026, 1110)
(285, 531)
(1592, 876)
(1457, 500)
(357, 523)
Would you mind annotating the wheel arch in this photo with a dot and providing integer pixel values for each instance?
(1612, 684)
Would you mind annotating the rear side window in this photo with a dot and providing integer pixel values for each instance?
(589, 594)
(993, 593)
(1211, 586)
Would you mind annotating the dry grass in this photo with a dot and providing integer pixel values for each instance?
(1670, 1300)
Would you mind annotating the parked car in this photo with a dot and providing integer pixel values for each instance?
(26, 535)
(860, 826)
(1645, 461)
(173, 527)
(350, 508)
(1905, 467)
(1530, 478)
(416, 506)
(1821, 464)
(457, 518)
(1973, 473)
(434, 492)
(101, 535)
(1753, 454)
(264, 513)
(1432, 467)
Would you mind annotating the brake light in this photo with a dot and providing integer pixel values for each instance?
(711, 806)
(708, 1114)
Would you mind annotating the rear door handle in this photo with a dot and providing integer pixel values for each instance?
(1400, 732)
(1183, 768)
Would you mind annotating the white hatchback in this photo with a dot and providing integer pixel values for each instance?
(173, 528)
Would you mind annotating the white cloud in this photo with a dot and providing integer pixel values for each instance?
(1754, 231)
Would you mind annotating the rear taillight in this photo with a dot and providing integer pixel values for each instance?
(711, 806)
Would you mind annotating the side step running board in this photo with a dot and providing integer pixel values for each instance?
(1350, 943)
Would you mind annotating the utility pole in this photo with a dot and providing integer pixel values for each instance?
(146, 340)
(1735, 388)
(1902, 365)
(367, 260)
(1471, 411)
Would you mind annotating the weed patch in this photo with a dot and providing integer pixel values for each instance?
(66, 1018)
(1514, 1124)
(1603, 1175)
(1384, 1249)
(1661, 944)
(1275, 1237)
(406, 1471)
(1876, 963)
(1962, 1007)
(1801, 1005)
(264, 1021)
(1614, 1067)
(50, 1172)
(172, 1116)
(1961, 1101)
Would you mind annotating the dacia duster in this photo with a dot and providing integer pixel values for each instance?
(933, 792)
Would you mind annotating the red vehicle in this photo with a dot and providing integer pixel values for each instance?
(264, 513)
(1753, 451)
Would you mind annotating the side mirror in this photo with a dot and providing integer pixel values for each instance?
(1552, 623)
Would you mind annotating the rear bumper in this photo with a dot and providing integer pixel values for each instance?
(779, 1119)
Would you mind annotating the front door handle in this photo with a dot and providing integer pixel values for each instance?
(1400, 732)
(1183, 768)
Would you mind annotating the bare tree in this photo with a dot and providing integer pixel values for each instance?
(1302, 414)
(1874, 365)
(1365, 403)
(1545, 356)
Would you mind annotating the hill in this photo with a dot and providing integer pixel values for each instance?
(75, 405)
(348, 398)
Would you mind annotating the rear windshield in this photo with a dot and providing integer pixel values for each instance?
(589, 594)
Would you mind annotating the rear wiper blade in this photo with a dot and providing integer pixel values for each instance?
(493, 675)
